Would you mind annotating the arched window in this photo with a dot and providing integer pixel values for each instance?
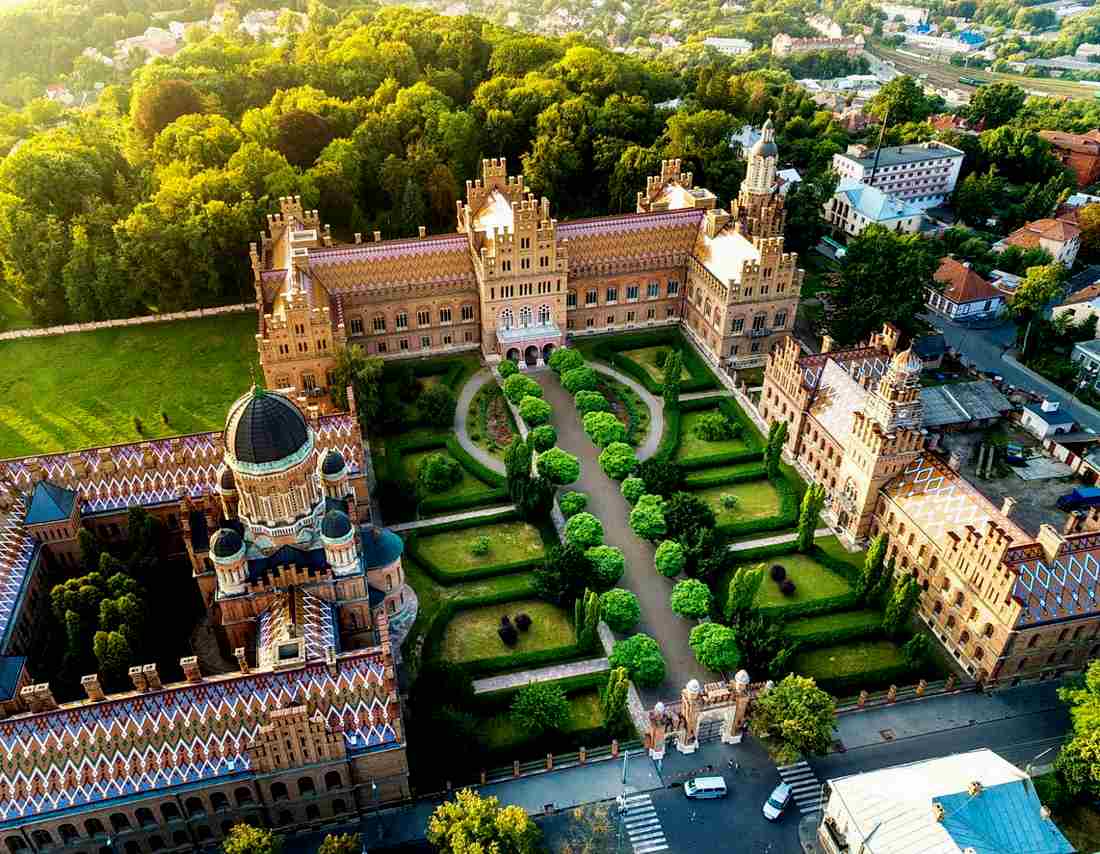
(219, 802)
(119, 821)
(145, 817)
(195, 807)
(525, 316)
(94, 827)
(333, 781)
(544, 315)
(279, 792)
(15, 843)
(306, 787)
(41, 838)
(506, 320)
(242, 795)
(68, 833)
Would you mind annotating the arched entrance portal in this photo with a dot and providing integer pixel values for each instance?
(531, 356)
(546, 351)
(513, 355)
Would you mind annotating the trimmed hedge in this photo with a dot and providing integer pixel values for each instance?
(494, 483)
(836, 636)
(703, 479)
(610, 351)
(728, 407)
(787, 517)
(629, 402)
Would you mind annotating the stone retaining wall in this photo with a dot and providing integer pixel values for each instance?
(48, 331)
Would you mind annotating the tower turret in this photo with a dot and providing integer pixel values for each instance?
(227, 550)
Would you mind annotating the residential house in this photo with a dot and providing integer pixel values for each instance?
(1046, 419)
(855, 206)
(965, 294)
(1080, 152)
(1087, 355)
(1080, 305)
(1060, 237)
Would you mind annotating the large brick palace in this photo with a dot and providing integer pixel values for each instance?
(1006, 603)
(515, 283)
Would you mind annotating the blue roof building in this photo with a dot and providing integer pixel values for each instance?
(855, 206)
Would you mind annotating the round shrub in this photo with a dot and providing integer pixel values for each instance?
(579, 379)
(507, 368)
(670, 558)
(480, 546)
(519, 386)
(438, 473)
(507, 632)
(523, 621)
(572, 503)
(617, 460)
(608, 566)
(558, 467)
(641, 656)
(584, 530)
(787, 588)
(590, 401)
(619, 609)
(534, 411)
(715, 427)
(647, 519)
(603, 428)
(540, 707)
(729, 501)
(715, 646)
(690, 598)
(778, 572)
(660, 357)
(542, 438)
(563, 359)
(437, 406)
(632, 489)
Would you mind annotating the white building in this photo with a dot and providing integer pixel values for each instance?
(1059, 237)
(1045, 419)
(855, 206)
(923, 174)
(730, 47)
(964, 294)
(969, 802)
(909, 14)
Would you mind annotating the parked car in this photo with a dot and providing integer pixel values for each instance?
(1080, 498)
(705, 787)
(777, 802)
(1014, 454)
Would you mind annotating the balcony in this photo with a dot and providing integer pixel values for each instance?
(759, 333)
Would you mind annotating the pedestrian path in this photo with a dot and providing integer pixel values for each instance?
(643, 826)
(540, 674)
(776, 540)
(462, 432)
(454, 517)
(656, 409)
(697, 395)
(805, 787)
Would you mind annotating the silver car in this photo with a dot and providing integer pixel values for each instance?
(777, 801)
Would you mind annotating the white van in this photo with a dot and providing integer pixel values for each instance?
(705, 787)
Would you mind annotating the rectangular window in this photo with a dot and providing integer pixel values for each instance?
(379, 324)
(630, 317)
(569, 323)
(425, 342)
(403, 344)
(758, 323)
(673, 287)
(402, 320)
(589, 322)
(651, 314)
(653, 290)
(381, 346)
(525, 243)
(525, 263)
(590, 297)
(780, 319)
(423, 318)
(670, 312)
(544, 260)
(308, 382)
(611, 320)
(755, 347)
(612, 294)
(570, 299)
(733, 349)
(447, 340)
(469, 336)
(506, 266)
(631, 292)
(738, 325)
(467, 312)
(357, 326)
(445, 315)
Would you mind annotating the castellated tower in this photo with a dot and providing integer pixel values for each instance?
(758, 207)
(520, 267)
(886, 436)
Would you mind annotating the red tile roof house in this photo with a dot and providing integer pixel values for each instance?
(965, 294)
(1060, 237)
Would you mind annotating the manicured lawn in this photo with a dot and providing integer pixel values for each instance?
(73, 391)
(472, 634)
(847, 659)
(508, 542)
(489, 420)
(811, 581)
(756, 499)
(806, 626)
(469, 485)
(647, 358)
(719, 471)
(692, 446)
(500, 731)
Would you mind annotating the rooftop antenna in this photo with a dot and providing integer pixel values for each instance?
(878, 151)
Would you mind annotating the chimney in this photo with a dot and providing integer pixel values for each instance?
(44, 697)
(1050, 540)
(1049, 405)
(974, 789)
(423, 232)
(137, 676)
(1008, 505)
(242, 658)
(1073, 523)
(29, 698)
(92, 688)
(152, 678)
(191, 671)
(827, 343)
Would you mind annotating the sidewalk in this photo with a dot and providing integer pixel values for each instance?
(698, 395)
(540, 674)
(462, 432)
(454, 517)
(776, 540)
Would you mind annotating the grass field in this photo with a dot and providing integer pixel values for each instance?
(12, 313)
(694, 477)
(847, 659)
(692, 446)
(811, 581)
(74, 391)
(472, 634)
(756, 499)
(806, 626)
(647, 358)
(469, 485)
(499, 731)
(508, 542)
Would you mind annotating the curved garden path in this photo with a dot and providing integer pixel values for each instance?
(656, 409)
(462, 433)
(606, 502)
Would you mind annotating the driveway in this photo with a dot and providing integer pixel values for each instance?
(606, 502)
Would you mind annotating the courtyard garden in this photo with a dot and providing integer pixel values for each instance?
(641, 355)
(472, 634)
(489, 420)
(480, 547)
(123, 385)
(648, 358)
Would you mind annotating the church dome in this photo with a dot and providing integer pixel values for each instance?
(333, 463)
(907, 362)
(226, 543)
(764, 148)
(336, 525)
(264, 427)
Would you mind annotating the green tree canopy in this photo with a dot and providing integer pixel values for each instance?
(797, 715)
(540, 707)
(472, 823)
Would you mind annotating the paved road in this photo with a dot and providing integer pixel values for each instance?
(985, 348)
(652, 590)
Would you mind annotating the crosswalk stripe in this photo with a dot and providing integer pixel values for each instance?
(648, 836)
(650, 849)
(638, 827)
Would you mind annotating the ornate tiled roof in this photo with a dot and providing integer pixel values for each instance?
(1065, 585)
(630, 241)
(836, 400)
(859, 363)
(17, 549)
(93, 752)
(295, 614)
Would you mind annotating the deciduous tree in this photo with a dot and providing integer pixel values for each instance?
(797, 715)
(472, 823)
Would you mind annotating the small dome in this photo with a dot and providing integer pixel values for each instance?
(764, 148)
(226, 481)
(336, 525)
(226, 543)
(264, 427)
(333, 462)
(742, 677)
(907, 362)
(693, 686)
(659, 708)
(380, 547)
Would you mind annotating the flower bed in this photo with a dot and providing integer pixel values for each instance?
(490, 421)
(627, 406)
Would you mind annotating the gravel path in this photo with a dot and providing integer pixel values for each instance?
(540, 674)
(454, 517)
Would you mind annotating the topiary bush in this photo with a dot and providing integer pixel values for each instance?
(641, 656)
(647, 519)
(519, 386)
(579, 379)
(632, 489)
(523, 621)
(603, 428)
(617, 460)
(534, 410)
(670, 559)
(660, 357)
(778, 572)
(787, 588)
(542, 438)
(584, 530)
(480, 546)
(507, 632)
(590, 401)
(715, 646)
(572, 503)
(690, 598)
(507, 368)
(620, 609)
(729, 501)
(559, 467)
(608, 566)
(437, 473)
(563, 359)
(715, 427)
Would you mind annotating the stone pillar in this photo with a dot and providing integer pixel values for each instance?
(152, 678)
(690, 706)
(658, 726)
(949, 685)
(922, 686)
(549, 761)
(614, 749)
(582, 755)
(137, 676)
(190, 666)
(515, 767)
(892, 694)
(92, 687)
(862, 698)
